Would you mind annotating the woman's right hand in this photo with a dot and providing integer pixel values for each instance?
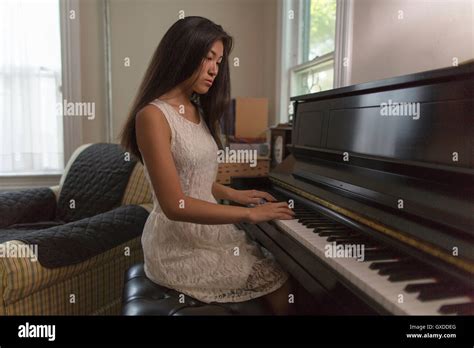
(270, 211)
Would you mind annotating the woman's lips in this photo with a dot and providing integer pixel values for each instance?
(207, 82)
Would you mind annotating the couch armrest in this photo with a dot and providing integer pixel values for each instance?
(56, 190)
(29, 205)
(80, 240)
(23, 277)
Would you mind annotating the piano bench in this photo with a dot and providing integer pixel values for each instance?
(141, 296)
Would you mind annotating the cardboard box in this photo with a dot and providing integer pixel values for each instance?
(251, 117)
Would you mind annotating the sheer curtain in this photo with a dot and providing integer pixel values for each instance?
(31, 126)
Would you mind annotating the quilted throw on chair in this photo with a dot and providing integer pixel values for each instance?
(88, 218)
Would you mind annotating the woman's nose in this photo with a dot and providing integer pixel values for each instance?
(213, 69)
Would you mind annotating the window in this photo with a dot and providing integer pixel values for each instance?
(31, 128)
(315, 69)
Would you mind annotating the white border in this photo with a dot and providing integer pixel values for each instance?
(343, 47)
(71, 73)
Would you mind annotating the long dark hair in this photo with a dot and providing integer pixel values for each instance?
(179, 54)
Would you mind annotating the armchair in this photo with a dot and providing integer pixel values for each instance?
(64, 249)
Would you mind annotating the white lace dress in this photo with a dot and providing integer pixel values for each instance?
(212, 263)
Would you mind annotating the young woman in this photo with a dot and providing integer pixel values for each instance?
(190, 243)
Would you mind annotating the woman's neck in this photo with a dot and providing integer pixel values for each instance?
(178, 96)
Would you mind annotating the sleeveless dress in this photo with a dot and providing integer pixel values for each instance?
(211, 263)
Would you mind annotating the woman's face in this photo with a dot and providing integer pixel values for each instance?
(209, 69)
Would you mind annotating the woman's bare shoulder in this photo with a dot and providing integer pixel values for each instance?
(151, 116)
(152, 119)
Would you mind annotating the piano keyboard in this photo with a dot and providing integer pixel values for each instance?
(401, 284)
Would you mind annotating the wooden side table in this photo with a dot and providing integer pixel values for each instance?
(241, 170)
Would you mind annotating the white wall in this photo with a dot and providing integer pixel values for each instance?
(138, 26)
(430, 34)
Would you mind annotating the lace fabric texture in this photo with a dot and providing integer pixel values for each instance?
(211, 263)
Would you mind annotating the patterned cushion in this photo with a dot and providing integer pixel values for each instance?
(26, 206)
(80, 240)
(138, 190)
(30, 289)
(95, 183)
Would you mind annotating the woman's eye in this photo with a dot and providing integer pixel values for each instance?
(210, 58)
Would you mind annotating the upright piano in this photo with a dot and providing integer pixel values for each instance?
(385, 167)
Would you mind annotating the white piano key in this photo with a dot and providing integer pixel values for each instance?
(376, 286)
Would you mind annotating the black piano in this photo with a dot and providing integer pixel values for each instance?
(383, 169)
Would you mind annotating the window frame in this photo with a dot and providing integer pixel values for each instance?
(71, 77)
(315, 63)
(291, 50)
(71, 91)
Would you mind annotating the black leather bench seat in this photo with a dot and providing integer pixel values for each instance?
(141, 296)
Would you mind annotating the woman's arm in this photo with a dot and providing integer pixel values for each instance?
(153, 137)
(243, 197)
(220, 191)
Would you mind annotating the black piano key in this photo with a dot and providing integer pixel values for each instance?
(301, 213)
(338, 239)
(441, 294)
(390, 264)
(333, 239)
(301, 210)
(351, 238)
(416, 287)
(438, 290)
(310, 215)
(380, 254)
(320, 224)
(459, 308)
(337, 233)
(328, 227)
(319, 229)
(313, 220)
(395, 270)
(410, 274)
(403, 267)
(362, 241)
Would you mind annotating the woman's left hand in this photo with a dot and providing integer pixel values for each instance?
(246, 197)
